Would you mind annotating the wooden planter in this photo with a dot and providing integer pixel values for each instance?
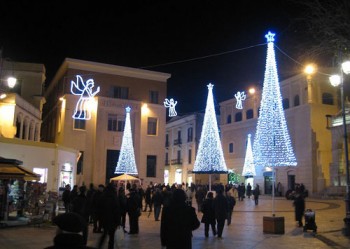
(273, 224)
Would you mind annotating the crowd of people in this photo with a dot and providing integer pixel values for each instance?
(106, 208)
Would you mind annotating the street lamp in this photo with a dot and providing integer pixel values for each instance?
(309, 70)
(337, 80)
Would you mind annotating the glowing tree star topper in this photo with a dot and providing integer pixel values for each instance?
(240, 97)
(84, 90)
(171, 105)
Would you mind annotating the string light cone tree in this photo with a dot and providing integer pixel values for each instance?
(249, 167)
(272, 146)
(126, 162)
(210, 157)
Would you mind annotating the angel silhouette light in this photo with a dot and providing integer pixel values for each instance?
(240, 96)
(171, 105)
(84, 90)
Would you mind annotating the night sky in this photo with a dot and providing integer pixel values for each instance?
(178, 37)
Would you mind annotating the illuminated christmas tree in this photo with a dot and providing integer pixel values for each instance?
(210, 157)
(272, 146)
(249, 167)
(126, 162)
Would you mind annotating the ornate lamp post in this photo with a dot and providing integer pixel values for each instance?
(337, 80)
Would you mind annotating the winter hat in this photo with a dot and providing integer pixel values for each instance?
(70, 222)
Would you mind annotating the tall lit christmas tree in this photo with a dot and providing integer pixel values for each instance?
(272, 146)
(249, 167)
(126, 162)
(210, 157)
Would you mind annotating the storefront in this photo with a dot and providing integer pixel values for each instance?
(13, 179)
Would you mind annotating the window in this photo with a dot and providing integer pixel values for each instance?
(153, 97)
(296, 100)
(80, 163)
(112, 122)
(189, 134)
(120, 92)
(230, 148)
(250, 114)
(167, 159)
(238, 117)
(152, 126)
(229, 119)
(189, 156)
(120, 123)
(167, 140)
(327, 99)
(285, 103)
(79, 124)
(151, 166)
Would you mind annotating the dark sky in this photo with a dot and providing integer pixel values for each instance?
(142, 34)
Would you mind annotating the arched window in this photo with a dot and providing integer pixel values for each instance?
(285, 103)
(238, 117)
(327, 99)
(296, 100)
(250, 114)
(229, 119)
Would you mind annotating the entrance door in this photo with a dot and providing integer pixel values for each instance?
(291, 182)
(111, 163)
(268, 184)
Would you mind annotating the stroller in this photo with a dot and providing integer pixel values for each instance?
(310, 223)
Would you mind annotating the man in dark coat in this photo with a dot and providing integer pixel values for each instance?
(157, 200)
(68, 235)
(66, 198)
(95, 207)
(110, 214)
(231, 201)
(134, 209)
(148, 198)
(79, 206)
(299, 208)
(177, 223)
(208, 215)
(221, 209)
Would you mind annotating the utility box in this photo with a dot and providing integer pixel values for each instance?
(272, 224)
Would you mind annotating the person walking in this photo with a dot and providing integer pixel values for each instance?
(134, 209)
(123, 206)
(299, 208)
(209, 215)
(110, 215)
(148, 199)
(231, 202)
(96, 209)
(157, 200)
(249, 190)
(221, 209)
(200, 197)
(79, 206)
(177, 223)
(256, 193)
(66, 198)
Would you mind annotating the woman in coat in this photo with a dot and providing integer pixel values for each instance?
(208, 214)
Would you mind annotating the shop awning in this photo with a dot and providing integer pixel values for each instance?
(12, 171)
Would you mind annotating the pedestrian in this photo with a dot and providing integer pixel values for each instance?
(220, 208)
(231, 202)
(177, 223)
(256, 193)
(157, 200)
(96, 209)
(134, 209)
(299, 208)
(110, 215)
(68, 232)
(189, 196)
(200, 197)
(279, 189)
(66, 199)
(79, 206)
(148, 199)
(89, 195)
(249, 190)
(241, 192)
(209, 215)
(123, 206)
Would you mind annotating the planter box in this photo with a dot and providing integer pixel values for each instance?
(273, 224)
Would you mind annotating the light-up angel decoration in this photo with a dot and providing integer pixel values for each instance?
(84, 89)
(240, 97)
(171, 105)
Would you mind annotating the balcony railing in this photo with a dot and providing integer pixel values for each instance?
(176, 161)
(177, 142)
(167, 162)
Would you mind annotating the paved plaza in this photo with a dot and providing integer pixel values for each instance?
(246, 230)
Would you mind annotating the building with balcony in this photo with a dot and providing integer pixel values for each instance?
(181, 144)
(98, 138)
(307, 101)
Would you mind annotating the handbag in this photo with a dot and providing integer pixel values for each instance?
(118, 237)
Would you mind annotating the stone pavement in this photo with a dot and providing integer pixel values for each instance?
(246, 230)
